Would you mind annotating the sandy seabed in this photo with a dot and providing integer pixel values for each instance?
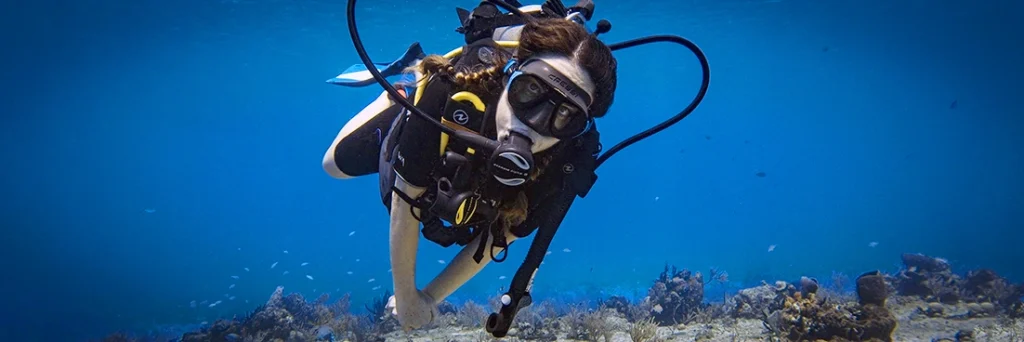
(913, 326)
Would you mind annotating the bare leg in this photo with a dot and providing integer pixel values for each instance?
(353, 152)
(414, 308)
(461, 269)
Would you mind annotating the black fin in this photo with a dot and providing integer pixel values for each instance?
(463, 15)
(554, 8)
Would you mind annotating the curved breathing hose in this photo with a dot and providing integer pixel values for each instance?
(488, 145)
(705, 81)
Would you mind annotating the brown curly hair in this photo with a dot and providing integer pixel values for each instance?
(543, 36)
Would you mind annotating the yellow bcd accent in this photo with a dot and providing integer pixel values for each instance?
(462, 96)
(464, 214)
(458, 214)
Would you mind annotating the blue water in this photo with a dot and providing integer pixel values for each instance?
(153, 149)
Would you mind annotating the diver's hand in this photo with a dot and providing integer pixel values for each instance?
(415, 312)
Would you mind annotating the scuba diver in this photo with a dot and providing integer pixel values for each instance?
(498, 140)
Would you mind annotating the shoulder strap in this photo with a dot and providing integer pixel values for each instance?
(584, 163)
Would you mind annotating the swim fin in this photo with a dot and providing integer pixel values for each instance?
(358, 76)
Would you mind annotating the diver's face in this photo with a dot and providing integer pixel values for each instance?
(546, 101)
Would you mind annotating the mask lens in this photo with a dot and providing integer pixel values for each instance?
(564, 116)
(526, 91)
(568, 120)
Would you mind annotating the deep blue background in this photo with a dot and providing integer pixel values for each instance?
(215, 114)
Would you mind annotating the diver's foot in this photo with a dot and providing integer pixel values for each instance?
(415, 312)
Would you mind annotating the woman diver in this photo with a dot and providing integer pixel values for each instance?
(502, 141)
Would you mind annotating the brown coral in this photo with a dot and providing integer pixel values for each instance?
(931, 279)
(676, 296)
(804, 318)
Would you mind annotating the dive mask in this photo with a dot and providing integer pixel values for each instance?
(547, 101)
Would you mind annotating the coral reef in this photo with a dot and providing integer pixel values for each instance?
(644, 330)
(932, 280)
(804, 317)
(676, 296)
(925, 301)
(755, 301)
(292, 319)
(928, 278)
(539, 321)
(632, 313)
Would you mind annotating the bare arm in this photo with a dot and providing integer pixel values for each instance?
(414, 309)
(462, 268)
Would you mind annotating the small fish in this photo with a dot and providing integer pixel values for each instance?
(273, 265)
(285, 273)
(234, 277)
(349, 272)
(246, 269)
(352, 233)
(239, 248)
(309, 277)
(357, 260)
(873, 244)
(371, 280)
(204, 302)
(771, 248)
(231, 287)
(501, 278)
(214, 303)
(231, 298)
(246, 301)
(566, 250)
(657, 198)
(192, 304)
(439, 261)
(304, 264)
(375, 288)
(548, 253)
(761, 174)
(149, 210)
(286, 251)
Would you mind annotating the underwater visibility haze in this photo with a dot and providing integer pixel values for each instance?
(162, 160)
